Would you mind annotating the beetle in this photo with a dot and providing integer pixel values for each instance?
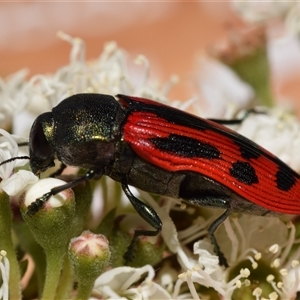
(164, 151)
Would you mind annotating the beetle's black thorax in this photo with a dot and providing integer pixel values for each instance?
(86, 131)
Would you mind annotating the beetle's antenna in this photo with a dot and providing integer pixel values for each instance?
(13, 158)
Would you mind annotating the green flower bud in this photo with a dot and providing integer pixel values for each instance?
(90, 255)
(51, 225)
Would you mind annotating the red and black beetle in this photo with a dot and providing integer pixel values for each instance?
(164, 151)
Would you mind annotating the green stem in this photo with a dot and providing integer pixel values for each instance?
(66, 282)
(29, 245)
(84, 290)
(53, 272)
(7, 245)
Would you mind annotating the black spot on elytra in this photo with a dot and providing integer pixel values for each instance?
(243, 172)
(248, 148)
(285, 177)
(186, 147)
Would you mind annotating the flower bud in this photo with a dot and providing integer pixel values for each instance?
(51, 225)
(90, 255)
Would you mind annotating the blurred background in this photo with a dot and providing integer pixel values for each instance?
(173, 35)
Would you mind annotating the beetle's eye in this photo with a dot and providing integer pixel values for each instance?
(38, 143)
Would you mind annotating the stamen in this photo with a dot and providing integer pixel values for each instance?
(290, 241)
(241, 233)
(233, 238)
(257, 293)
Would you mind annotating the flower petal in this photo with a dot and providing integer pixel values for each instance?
(17, 182)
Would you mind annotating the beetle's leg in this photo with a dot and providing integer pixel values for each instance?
(210, 201)
(59, 170)
(211, 230)
(148, 214)
(237, 121)
(35, 206)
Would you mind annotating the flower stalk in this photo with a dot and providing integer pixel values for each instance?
(51, 227)
(6, 244)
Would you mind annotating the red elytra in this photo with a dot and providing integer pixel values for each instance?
(143, 125)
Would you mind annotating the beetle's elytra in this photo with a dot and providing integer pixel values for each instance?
(164, 151)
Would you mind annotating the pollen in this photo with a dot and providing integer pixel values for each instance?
(295, 263)
(274, 248)
(280, 284)
(238, 283)
(273, 296)
(276, 263)
(283, 272)
(245, 272)
(257, 256)
(257, 292)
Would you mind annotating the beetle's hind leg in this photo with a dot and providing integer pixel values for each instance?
(148, 214)
(215, 202)
(211, 230)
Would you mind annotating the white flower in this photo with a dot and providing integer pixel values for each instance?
(12, 184)
(12, 97)
(209, 262)
(17, 182)
(224, 92)
(254, 12)
(109, 74)
(120, 283)
(292, 19)
(9, 149)
(276, 130)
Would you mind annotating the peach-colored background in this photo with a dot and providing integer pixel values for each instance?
(171, 34)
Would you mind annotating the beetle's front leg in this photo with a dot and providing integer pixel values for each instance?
(148, 214)
(35, 206)
(59, 171)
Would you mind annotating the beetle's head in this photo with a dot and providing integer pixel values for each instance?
(41, 149)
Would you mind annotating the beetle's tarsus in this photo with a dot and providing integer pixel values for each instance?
(35, 206)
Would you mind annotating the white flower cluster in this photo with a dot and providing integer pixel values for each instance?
(276, 130)
(21, 100)
(252, 12)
